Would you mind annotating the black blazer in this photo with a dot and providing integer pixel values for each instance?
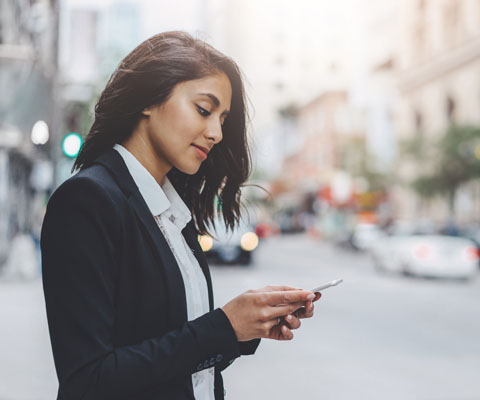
(115, 296)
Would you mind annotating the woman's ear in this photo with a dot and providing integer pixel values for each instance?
(147, 111)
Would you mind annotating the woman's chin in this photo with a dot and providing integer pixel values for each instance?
(189, 169)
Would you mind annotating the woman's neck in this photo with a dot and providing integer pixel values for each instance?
(143, 151)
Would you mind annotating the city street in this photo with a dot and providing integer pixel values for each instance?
(373, 337)
(341, 124)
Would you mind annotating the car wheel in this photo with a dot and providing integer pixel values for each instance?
(405, 271)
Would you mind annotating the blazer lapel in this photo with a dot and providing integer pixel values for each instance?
(175, 285)
(176, 289)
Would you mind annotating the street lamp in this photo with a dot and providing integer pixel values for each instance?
(40, 133)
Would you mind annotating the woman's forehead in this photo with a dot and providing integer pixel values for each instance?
(215, 86)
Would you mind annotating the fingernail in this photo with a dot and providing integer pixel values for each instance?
(289, 317)
(311, 296)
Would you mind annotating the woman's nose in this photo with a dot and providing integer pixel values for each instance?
(215, 133)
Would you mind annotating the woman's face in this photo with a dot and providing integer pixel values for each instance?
(184, 129)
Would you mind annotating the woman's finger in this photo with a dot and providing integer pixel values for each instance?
(272, 324)
(274, 288)
(305, 312)
(286, 333)
(292, 322)
(317, 296)
(282, 310)
(279, 288)
(308, 310)
(288, 296)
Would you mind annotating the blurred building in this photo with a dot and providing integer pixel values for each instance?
(375, 89)
(290, 53)
(28, 32)
(439, 81)
(325, 128)
(406, 69)
(293, 53)
(340, 124)
(55, 57)
(94, 37)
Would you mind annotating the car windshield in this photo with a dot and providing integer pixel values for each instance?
(221, 233)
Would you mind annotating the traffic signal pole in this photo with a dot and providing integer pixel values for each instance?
(56, 117)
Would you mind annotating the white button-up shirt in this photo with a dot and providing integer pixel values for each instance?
(171, 215)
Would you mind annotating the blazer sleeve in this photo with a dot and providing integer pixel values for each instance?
(80, 235)
(246, 349)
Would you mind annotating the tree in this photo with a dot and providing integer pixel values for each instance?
(354, 158)
(457, 162)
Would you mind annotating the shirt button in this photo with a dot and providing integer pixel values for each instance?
(219, 357)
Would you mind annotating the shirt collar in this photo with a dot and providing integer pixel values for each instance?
(178, 208)
(159, 199)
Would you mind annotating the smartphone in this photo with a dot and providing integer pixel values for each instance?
(320, 288)
(326, 285)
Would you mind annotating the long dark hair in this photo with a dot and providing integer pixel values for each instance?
(147, 77)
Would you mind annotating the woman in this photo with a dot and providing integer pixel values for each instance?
(127, 288)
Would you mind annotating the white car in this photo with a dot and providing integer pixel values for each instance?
(365, 235)
(426, 255)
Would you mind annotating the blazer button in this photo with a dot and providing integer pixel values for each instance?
(206, 364)
(219, 357)
(199, 367)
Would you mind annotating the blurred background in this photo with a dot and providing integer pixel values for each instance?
(365, 133)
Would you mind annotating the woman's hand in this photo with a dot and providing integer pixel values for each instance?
(292, 321)
(259, 313)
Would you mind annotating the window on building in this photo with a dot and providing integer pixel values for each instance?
(279, 37)
(418, 31)
(450, 110)
(279, 60)
(418, 119)
(451, 17)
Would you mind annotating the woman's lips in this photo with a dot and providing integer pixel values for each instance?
(200, 152)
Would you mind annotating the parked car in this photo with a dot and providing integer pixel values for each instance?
(290, 221)
(235, 247)
(472, 232)
(265, 229)
(364, 236)
(426, 255)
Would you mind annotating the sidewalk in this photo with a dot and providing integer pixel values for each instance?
(26, 364)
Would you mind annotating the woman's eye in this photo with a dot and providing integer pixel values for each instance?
(202, 111)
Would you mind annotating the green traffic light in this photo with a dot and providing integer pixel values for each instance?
(71, 144)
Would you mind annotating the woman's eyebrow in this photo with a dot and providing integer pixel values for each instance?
(215, 101)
